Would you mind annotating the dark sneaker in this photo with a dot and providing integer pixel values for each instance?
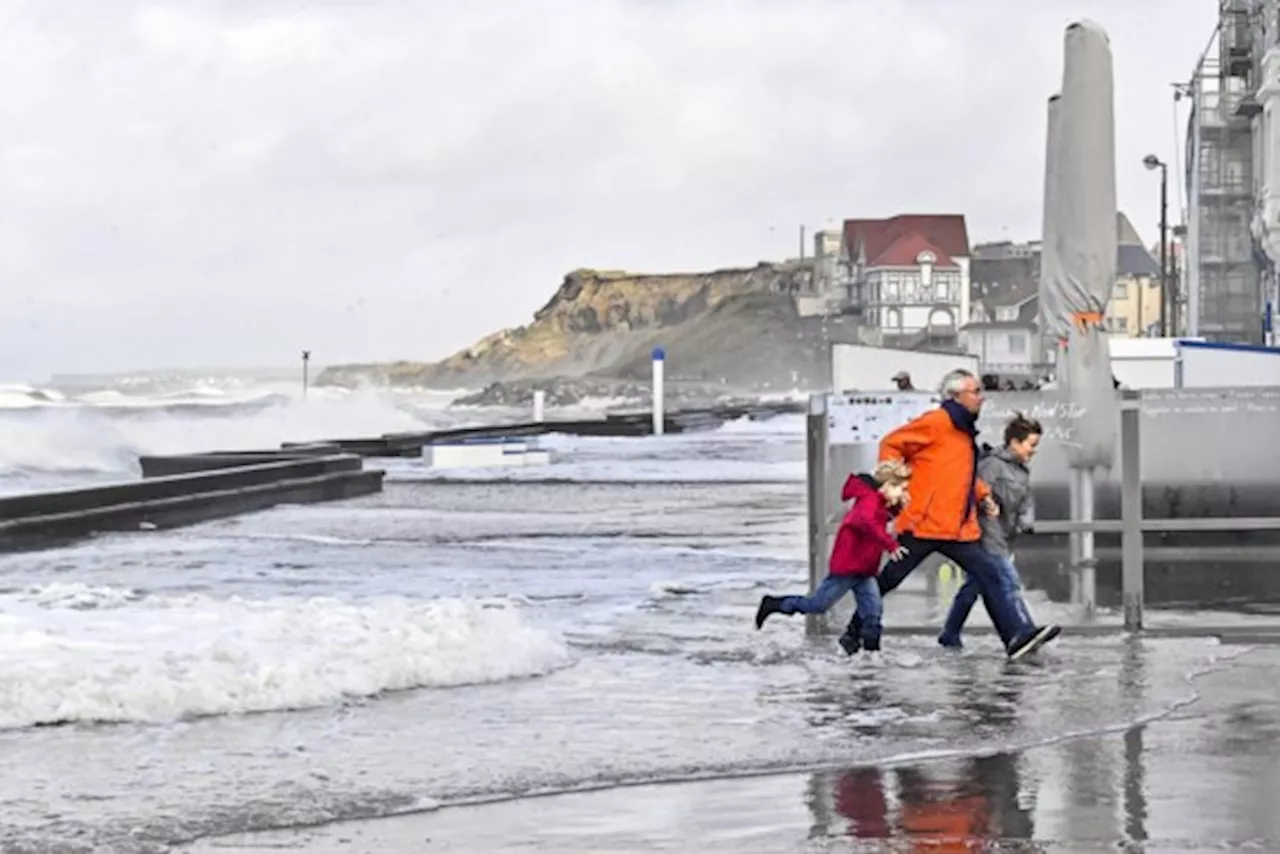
(949, 642)
(769, 605)
(1026, 645)
(850, 644)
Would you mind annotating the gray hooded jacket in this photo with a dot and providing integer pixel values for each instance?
(1010, 482)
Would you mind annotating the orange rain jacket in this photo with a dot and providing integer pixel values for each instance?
(945, 488)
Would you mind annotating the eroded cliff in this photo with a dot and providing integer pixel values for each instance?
(734, 326)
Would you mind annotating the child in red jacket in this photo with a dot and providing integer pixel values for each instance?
(855, 558)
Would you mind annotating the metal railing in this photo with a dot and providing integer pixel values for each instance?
(1131, 526)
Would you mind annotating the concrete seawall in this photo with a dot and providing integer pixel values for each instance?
(163, 466)
(612, 425)
(218, 490)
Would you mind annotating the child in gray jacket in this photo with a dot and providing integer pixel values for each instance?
(1006, 472)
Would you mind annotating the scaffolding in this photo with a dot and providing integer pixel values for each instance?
(1224, 288)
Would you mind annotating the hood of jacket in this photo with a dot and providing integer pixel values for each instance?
(1006, 458)
(861, 486)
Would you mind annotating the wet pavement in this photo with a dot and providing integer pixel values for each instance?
(1201, 777)
(458, 640)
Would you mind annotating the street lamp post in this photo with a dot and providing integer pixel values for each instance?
(1168, 302)
(306, 357)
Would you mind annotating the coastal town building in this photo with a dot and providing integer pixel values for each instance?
(1232, 175)
(1002, 328)
(1004, 324)
(1134, 311)
(906, 278)
(913, 281)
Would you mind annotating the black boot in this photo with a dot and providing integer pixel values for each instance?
(850, 643)
(851, 640)
(769, 605)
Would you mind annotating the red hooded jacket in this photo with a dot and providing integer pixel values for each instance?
(863, 536)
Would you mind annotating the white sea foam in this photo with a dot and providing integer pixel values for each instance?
(73, 653)
(23, 396)
(82, 437)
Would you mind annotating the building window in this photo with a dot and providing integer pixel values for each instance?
(1007, 312)
(1121, 290)
(911, 287)
(1017, 344)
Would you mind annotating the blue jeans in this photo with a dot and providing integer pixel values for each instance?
(1010, 586)
(1010, 617)
(866, 594)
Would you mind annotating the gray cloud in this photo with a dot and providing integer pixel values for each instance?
(195, 182)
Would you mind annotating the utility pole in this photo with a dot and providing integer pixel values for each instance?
(306, 357)
(1169, 293)
(1168, 301)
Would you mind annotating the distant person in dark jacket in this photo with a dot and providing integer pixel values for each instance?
(856, 556)
(902, 380)
(1005, 471)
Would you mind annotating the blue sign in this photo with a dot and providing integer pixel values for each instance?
(659, 354)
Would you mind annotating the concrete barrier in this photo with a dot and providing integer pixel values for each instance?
(614, 424)
(171, 464)
(376, 446)
(50, 518)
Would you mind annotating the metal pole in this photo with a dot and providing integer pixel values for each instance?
(1132, 575)
(1088, 562)
(1191, 246)
(657, 392)
(1073, 498)
(1168, 312)
(306, 357)
(816, 479)
(1074, 538)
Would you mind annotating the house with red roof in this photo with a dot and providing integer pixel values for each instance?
(906, 277)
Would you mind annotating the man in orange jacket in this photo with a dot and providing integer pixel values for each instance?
(946, 496)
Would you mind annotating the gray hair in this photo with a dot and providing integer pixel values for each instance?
(953, 383)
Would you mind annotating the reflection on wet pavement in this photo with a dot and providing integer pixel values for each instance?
(1202, 778)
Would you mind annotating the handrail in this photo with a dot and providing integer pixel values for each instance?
(1150, 526)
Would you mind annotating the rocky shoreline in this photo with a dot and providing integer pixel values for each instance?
(625, 394)
(735, 328)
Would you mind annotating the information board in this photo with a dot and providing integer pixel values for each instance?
(865, 418)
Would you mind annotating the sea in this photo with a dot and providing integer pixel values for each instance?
(468, 637)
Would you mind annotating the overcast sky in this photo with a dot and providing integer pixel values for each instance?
(194, 182)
